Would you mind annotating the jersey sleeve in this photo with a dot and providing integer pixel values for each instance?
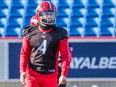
(26, 48)
(66, 55)
(24, 54)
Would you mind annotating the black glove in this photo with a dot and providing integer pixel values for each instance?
(62, 85)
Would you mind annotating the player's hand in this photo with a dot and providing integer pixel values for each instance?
(23, 77)
(62, 80)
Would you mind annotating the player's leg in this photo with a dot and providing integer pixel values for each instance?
(30, 82)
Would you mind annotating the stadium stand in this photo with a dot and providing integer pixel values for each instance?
(79, 17)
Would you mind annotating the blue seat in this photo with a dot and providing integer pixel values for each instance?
(30, 11)
(13, 31)
(27, 21)
(93, 21)
(3, 22)
(74, 31)
(17, 12)
(109, 3)
(19, 3)
(80, 12)
(79, 3)
(91, 31)
(77, 21)
(94, 12)
(65, 3)
(94, 3)
(62, 21)
(34, 3)
(108, 21)
(4, 12)
(4, 3)
(64, 12)
(15, 22)
(108, 11)
(2, 32)
(107, 31)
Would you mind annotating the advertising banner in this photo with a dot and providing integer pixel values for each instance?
(90, 60)
(93, 60)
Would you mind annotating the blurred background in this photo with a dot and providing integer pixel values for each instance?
(91, 25)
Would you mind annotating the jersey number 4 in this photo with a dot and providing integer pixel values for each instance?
(42, 47)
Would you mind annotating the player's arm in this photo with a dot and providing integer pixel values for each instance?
(66, 56)
(24, 54)
(24, 57)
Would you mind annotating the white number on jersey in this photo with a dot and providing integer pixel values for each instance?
(42, 47)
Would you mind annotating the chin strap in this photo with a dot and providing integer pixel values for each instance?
(46, 27)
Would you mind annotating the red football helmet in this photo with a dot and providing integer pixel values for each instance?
(46, 13)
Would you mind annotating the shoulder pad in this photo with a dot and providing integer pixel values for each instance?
(64, 32)
(28, 29)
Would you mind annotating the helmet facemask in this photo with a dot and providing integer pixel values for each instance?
(48, 17)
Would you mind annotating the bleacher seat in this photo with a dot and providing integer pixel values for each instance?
(17, 12)
(76, 31)
(107, 31)
(13, 31)
(109, 11)
(27, 21)
(79, 3)
(14, 26)
(91, 31)
(94, 3)
(2, 32)
(93, 12)
(77, 21)
(109, 3)
(62, 21)
(30, 11)
(4, 12)
(64, 12)
(65, 3)
(93, 21)
(80, 12)
(5, 3)
(3, 22)
(81, 31)
(19, 3)
(108, 21)
(16, 22)
(33, 3)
